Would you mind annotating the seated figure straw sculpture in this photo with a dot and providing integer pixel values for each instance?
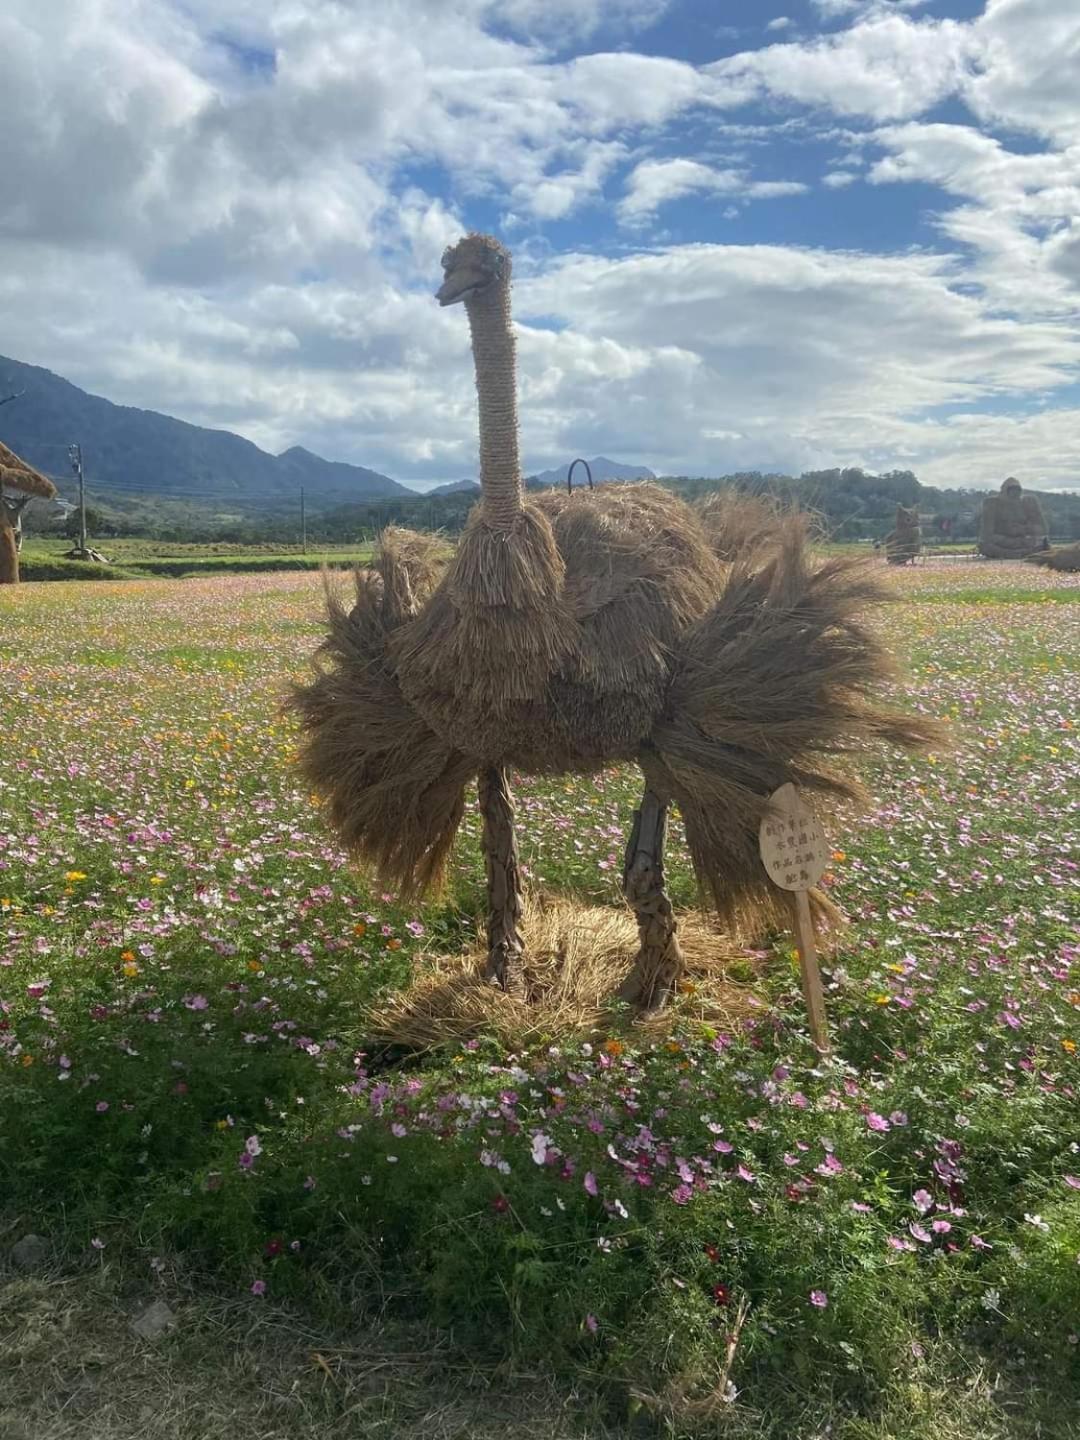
(568, 633)
(1012, 525)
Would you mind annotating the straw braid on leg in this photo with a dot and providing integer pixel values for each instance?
(659, 961)
(505, 944)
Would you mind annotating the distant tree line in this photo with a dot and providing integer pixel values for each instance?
(851, 503)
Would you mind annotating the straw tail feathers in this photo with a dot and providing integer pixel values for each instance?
(781, 674)
(394, 790)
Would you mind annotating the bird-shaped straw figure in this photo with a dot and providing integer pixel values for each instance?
(567, 633)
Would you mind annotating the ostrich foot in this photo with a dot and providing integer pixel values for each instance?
(659, 962)
(503, 882)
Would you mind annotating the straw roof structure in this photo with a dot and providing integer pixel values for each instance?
(16, 474)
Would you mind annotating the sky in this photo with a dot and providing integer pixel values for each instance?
(747, 234)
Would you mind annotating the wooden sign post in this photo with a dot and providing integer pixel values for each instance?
(795, 853)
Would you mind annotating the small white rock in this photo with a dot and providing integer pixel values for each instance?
(154, 1321)
(30, 1252)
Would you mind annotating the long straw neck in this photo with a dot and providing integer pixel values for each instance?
(496, 388)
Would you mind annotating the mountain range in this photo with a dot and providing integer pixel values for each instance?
(132, 452)
(129, 451)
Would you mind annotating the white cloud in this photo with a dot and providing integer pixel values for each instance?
(810, 357)
(1020, 211)
(654, 183)
(886, 67)
(226, 209)
(1029, 64)
(781, 22)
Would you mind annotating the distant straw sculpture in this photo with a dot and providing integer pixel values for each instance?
(16, 475)
(1012, 525)
(904, 541)
(568, 632)
(1058, 557)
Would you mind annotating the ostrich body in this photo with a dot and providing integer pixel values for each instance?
(570, 632)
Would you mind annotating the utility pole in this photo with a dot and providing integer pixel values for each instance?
(75, 455)
(303, 524)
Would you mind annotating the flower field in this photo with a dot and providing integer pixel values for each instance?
(711, 1231)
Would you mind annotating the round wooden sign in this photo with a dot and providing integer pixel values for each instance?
(794, 850)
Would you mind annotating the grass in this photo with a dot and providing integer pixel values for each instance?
(43, 559)
(190, 1104)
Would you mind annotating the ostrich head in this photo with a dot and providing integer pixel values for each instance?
(475, 264)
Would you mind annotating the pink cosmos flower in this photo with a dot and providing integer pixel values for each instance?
(196, 1002)
(819, 1298)
(877, 1122)
(590, 1184)
(258, 1287)
(941, 1227)
(919, 1232)
(1073, 1181)
(101, 1106)
(923, 1201)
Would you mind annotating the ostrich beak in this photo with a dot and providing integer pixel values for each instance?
(460, 283)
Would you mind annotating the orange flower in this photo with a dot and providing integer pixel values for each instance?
(613, 1047)
(360, 928)
(393, 944)
(254, 965)
(1069, 1046)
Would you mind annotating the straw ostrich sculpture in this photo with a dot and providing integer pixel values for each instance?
(569, 632)
(16, 475)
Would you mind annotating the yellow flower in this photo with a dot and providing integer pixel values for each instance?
(72, 875)
(881, 999)
(27, 1060)
(131, 969)
(1069, 1046)
(157, 879)
(254, 965)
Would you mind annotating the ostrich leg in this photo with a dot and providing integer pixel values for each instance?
(659, 960)
(503, 880)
